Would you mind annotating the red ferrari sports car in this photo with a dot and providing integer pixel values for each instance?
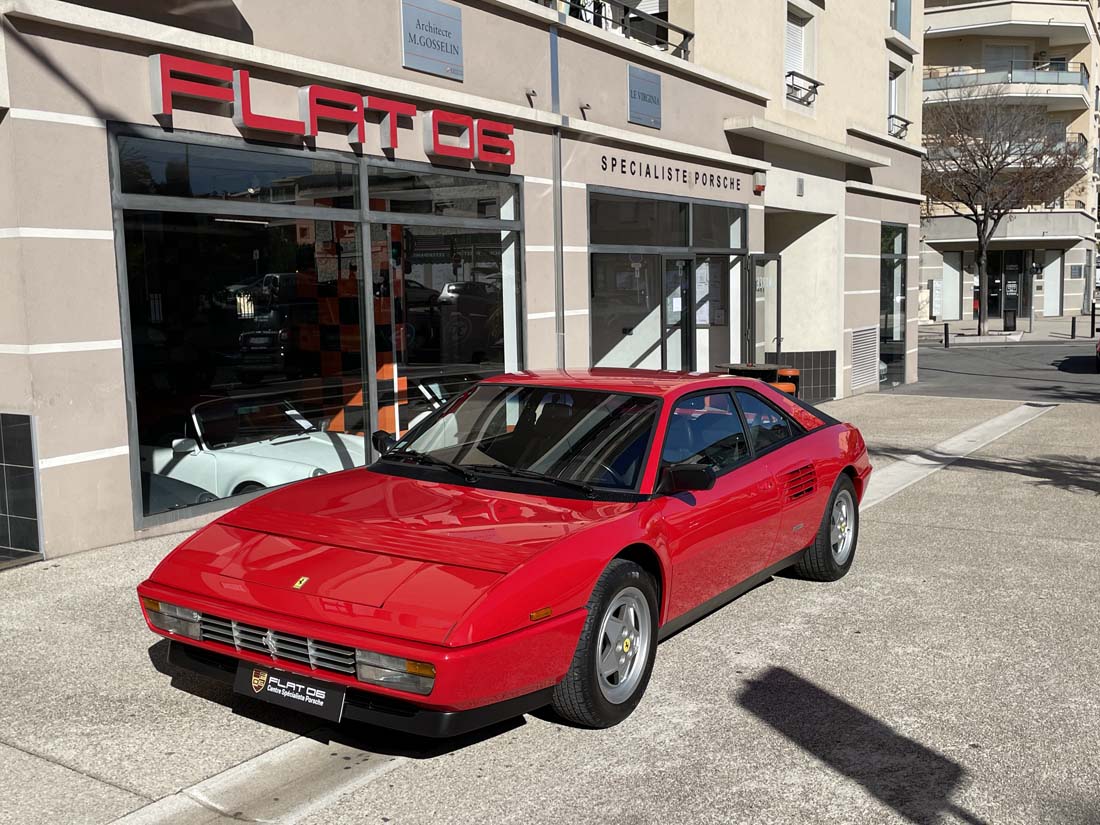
(526, 545)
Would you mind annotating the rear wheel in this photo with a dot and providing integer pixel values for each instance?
(614, 657)
(247, 487)
(830, 557)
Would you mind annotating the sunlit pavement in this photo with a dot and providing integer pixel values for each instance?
(950, 678)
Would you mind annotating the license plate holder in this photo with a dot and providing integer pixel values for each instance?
(291, 691)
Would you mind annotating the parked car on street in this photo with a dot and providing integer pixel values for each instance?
(526, 545)
(244, 445)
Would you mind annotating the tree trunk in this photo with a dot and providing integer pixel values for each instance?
(982, 261)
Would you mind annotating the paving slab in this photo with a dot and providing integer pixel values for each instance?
(83, 683)
(38, 791)
(894, 425)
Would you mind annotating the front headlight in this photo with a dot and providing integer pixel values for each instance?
(394, 672)
(183, 621)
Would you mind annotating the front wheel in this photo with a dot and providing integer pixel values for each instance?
(614, 657)
(830, 557)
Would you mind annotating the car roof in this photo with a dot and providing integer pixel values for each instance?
(659, 383)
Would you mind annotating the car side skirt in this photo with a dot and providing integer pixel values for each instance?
(385, 712)
(674, 626)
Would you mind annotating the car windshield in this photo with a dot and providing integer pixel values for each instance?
(584, 437)
(231, 422)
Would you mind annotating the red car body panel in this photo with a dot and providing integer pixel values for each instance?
(451, 574)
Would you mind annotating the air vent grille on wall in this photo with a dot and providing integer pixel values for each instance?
(799, 483)
(864, 357)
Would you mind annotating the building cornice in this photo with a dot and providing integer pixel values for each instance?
(759, 128)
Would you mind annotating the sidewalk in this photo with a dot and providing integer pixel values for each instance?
(1038, 330)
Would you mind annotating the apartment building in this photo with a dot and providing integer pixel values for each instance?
(239, 236)
(1042, 260)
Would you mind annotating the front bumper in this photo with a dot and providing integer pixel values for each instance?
(468, 677)
(362, 706)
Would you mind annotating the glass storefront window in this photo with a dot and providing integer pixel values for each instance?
(445, 314)
(186, 170)
(437, 193)
(627, 221)
(627, 311)
(892, 311)
(246, 329)
(246, 352)
(717, 227)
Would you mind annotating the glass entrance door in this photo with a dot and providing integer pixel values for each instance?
(677, 338)
(761, 309)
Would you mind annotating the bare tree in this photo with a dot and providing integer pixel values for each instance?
(990, 152)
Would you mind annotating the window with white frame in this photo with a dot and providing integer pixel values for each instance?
(797, 58)
(896, 122)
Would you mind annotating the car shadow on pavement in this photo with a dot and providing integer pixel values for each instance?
(349, 733)
(1074, 474)
(913, 780)
(1077, 364)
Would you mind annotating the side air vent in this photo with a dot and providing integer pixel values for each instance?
(799, 483)
(864, 357)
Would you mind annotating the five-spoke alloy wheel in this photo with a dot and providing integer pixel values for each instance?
(614, 657)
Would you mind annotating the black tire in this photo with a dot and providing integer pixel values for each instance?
(247, 487)
(578, 698)
(818, 562)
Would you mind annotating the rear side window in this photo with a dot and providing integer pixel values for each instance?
(767, 425)
(706, 429)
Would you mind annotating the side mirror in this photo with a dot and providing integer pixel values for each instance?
(184, 445)
(382, 441)
(685, 478)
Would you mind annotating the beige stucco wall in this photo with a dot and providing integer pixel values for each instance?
(847, 51)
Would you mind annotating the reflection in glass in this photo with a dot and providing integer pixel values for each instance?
(717, 227)
(892, 310)
(188, 170)
(246, 352)
(626, 221)
(596, 438)
(436, 193)
(626, 300)
(445, 314)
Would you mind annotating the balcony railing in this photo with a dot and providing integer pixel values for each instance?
(617, 17)
(802, 88)
(1073, 142)
(1006, 71)
(898, 126)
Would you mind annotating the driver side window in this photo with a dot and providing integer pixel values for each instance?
(705, 429)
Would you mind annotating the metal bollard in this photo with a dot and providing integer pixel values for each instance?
(947, 336)
(1072, 327)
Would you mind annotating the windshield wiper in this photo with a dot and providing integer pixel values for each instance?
(518, 472)
(431, 461)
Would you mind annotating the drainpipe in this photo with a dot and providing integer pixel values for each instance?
(559, 254)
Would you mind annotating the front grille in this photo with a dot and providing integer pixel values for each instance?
(278, 645)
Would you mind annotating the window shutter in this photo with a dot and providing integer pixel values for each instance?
(794, 47)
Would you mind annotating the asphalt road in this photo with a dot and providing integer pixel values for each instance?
(1057, 371)
(950, 678)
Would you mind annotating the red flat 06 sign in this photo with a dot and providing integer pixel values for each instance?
(450, 135)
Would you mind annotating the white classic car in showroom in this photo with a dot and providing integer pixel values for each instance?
(241, 447)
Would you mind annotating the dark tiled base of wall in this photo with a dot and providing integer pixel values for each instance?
(818, 379)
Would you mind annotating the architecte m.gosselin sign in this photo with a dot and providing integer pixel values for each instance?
(450, 136)
(431, 37)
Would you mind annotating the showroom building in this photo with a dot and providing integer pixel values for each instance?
(237, 238)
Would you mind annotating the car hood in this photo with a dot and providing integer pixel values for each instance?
(331, 452)
(380, 553)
